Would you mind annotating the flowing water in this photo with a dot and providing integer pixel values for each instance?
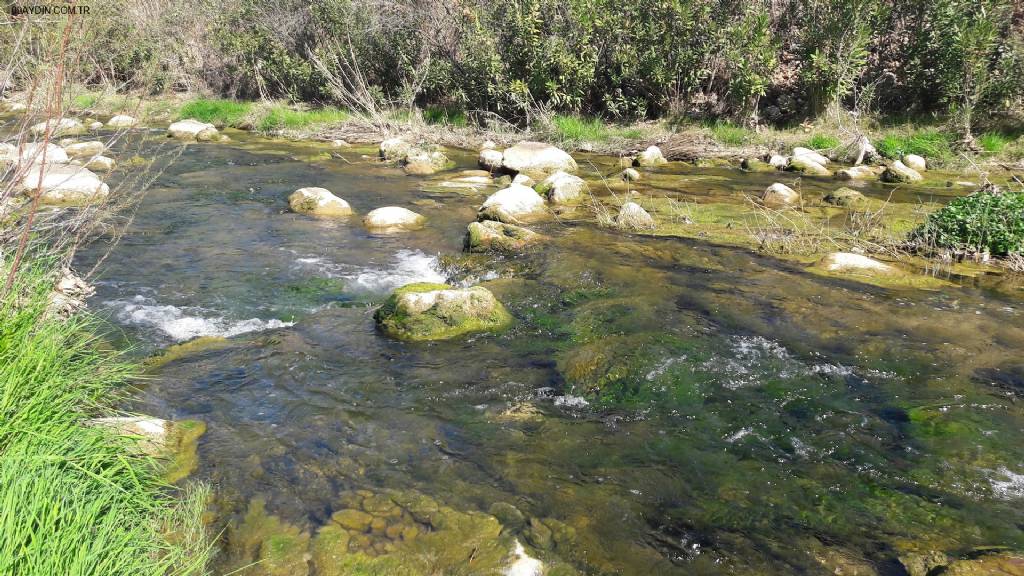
(661, 405)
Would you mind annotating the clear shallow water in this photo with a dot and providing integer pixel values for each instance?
(682, 407)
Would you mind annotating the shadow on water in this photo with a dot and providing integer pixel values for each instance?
(661, 405)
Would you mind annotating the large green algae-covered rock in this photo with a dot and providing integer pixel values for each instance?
(490, 235)
(425, 311)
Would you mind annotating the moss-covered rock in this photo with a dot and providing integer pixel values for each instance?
(843, 197)
(900, 173)
(490, 236)
(267, 545)
(318, 202)
(425, 311)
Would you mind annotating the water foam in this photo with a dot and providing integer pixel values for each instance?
(409, 266)
(182, 324)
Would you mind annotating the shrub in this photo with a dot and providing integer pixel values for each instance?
(218, 112)
(984, 221)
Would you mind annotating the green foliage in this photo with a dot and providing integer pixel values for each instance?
(984, 221)
(85, 101)
(730, 134)
(580, 129)
(836, 36)
(75, 498)
(930, 143)
(217, 112)
(993, 142)
(442, 115)
(281, 118)
(822, 142)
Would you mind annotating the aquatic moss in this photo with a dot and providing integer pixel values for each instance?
(433, 324)
(183, 447)
(188, 349)
(271, 546)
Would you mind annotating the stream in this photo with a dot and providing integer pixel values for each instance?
(660, 406)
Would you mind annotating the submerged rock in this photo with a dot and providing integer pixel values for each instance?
(779, 194)
(899, 173)
(62, 127)
(512, 205)
(192, 129)
(319, 202)
(424, 311)
(490, 235)
(652, 156)
(915, 162)
(850, 262)
(85, 149)
(632, 216)
(996, 564)
(563, 188)
(393, 218)
(843, 197)
(122, 121)
(175, 443)
(65, 184)
(537, 158)
(859, 173)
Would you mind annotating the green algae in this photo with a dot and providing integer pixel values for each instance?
(435, 323)
(188, 349)
(183, 449)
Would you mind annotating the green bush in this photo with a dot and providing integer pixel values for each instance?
(993, 142)
(217, 112)
(984, 221)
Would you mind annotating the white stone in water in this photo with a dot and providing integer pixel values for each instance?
(778, 162)
(192, 129)
(807, 165)
(630, 175)
(85, 149)
(915, 162)
(490, 159)
(394, 149)
(632, 216)
(488, 145)
(122, 121)
(101, 163)
(858, 173)
(33, 153)
(95, 126)
(563, 188)
(391, 218)
(65, 184)
(652, 156)
(523, 180)
(537, 158)
(898, 172)
(524, 565)
(811, 155)
(318, 201)
(62, 127)
(513, 204)
(779, 194)
(848, 261)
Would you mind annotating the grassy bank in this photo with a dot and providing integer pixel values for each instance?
(77, 499)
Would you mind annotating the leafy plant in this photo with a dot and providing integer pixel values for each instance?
(986, 221)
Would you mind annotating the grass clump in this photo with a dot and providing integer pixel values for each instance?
(76, 499)
(216, 112)
(577, 128)
(443, 115)
(822, 142)
(986, 221)
(993, 142)
(730, 134)
(284, 118)
(85, 101)
(932, 144)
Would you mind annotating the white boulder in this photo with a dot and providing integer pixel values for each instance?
(122, 121)
(850, 262)
(65, 184)
(85, 149)
(537, 158)
(62, 127)
(393, 218)
(915, 162)
(632, 216)
(810, 155)
(192, 129)
(650, 157)
(563, 188)
(513, 205)
(779, 194)
(319, 202)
